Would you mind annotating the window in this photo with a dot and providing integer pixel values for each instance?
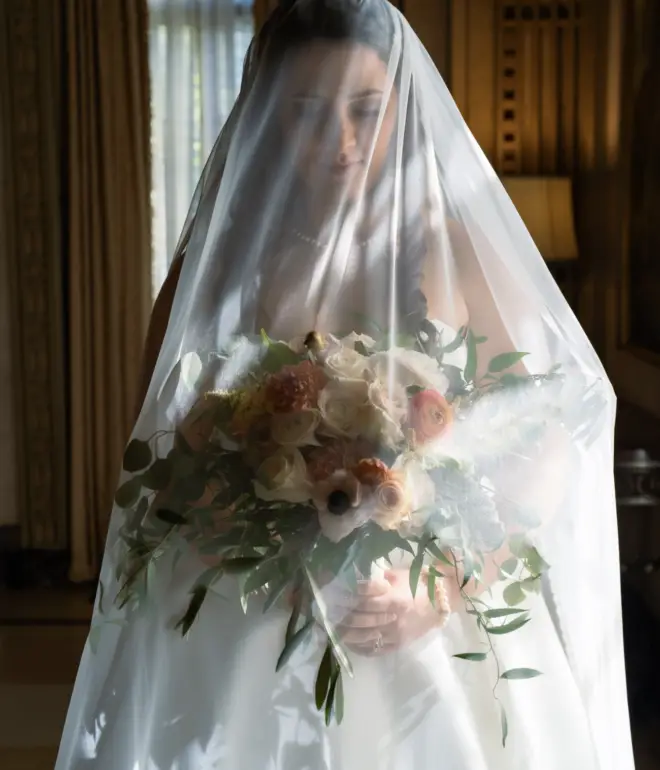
(196, 50)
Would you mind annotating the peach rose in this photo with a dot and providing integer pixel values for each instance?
(429, 415)
(371, 472)
(392, 500)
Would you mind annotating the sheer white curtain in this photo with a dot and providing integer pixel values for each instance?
(197, 49)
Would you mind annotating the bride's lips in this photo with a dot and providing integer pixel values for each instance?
(342, 170)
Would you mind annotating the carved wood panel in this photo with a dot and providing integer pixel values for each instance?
(516, 75)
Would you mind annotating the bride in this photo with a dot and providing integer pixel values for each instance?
(346, 200)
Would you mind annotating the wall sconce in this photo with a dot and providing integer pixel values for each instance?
(546, 207)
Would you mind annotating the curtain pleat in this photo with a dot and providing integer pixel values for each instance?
(108, 251)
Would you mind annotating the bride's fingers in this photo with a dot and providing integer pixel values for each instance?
(373, 587)
(359, 637)
(369, 620)
(377, 604)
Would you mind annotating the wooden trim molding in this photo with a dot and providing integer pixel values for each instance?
(635, 370)
(30, 82)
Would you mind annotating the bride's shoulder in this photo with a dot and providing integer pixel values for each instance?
(441, 283)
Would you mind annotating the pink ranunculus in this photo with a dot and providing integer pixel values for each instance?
(429, 416)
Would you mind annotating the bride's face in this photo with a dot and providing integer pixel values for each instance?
(339, 110)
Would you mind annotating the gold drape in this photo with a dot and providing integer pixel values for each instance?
(108, 249)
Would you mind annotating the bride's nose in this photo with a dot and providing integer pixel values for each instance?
(345, 138)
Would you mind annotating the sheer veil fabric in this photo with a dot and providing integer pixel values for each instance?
(346, 197)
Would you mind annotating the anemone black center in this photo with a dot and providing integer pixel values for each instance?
(338, 502)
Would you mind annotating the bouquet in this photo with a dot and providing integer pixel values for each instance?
(325, 457)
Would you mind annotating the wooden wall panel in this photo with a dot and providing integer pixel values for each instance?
(514, 77)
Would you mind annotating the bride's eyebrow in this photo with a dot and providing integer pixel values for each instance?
(311, 96)
(366, 94)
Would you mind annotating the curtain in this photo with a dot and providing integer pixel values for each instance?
(108, 250)
(32, 386)
(196, 50)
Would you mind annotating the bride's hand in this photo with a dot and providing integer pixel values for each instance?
(384, 616)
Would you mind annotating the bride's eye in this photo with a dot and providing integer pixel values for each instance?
(366, 110)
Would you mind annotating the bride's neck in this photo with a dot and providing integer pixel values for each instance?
(322, 223)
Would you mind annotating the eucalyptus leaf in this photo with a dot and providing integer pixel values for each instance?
(182, 462)
(430, 584)
(209, 577)
(338, 650)
(159, 475)
(531, 585)
(534, 562)
(510, 566)
(508, 628)
(475, 657)
(292, 625)
(503, 613)
(512, 380)
(518, 545)
(292, 645)
(339, 700)
(170, 517)
(504, 361)
(198, 597)
(323, 677)
(505, 725)
(241, 564)
(263, 573)
(455, 344)
(514, 594)
(127, 494)
(521, 673)
(137, 456)
(275, 591)
(435, 551)
(330, 702)
(190, 488)
(470, 371)
(101, 595)
(416, 571)
(456, 377)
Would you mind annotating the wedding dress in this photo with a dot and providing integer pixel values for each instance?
(413, 227)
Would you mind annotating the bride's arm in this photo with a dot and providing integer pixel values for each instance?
(458, 293)
(160, 316)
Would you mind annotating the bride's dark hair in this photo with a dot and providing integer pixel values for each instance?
(298, 22)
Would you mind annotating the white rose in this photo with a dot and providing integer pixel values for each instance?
(342, 405)
(386, 414)
(283, 476)
(345, 363)
(351, 339)
(295, 428)
(408, 367)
